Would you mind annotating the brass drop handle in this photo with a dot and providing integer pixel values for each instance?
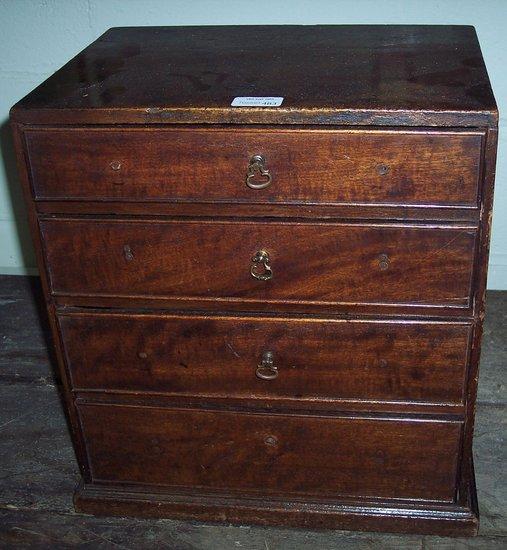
(127, 253)
(266, 369)
(257, 175)
(261, 267)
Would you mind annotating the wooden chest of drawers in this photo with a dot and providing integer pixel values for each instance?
(268, 314)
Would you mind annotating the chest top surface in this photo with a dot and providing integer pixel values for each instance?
(402, 75)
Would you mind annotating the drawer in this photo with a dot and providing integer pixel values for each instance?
(210, 165)
(314, 359)
(309, 263)
(325, 456)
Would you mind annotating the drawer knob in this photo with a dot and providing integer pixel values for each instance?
(266, 369)
(271, 440)
(115, 165)
(382, 169)
(257, 175)
(261, 268)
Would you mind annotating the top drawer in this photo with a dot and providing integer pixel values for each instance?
(332, 167)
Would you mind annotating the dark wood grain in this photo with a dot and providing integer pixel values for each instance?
(210, 165)
(243, 210)
(442, 519)
(251, 402)
(218, 356)
(272, 453)
(384, 74)
(312, 263)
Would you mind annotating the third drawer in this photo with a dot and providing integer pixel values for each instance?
(228, 356)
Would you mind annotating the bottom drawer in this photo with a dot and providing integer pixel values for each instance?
(274, 454)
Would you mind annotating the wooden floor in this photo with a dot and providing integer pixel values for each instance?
(38, 471)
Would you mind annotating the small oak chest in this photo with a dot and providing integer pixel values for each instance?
(264, 255)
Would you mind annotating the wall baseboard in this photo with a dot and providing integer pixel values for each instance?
(15, 270)
(497, 272)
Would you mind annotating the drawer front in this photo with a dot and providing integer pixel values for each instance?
(308, 262)
(314, 359)
(305, 166)
(326, 456)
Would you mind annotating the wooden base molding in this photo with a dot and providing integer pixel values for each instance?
(357, 515)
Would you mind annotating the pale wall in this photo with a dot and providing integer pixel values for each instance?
(38, 36)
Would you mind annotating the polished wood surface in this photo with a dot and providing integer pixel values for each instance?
(307, 166)
(272, 453)
(372, 237)
(321, 211)
(312, 263)
(209, 356)
(361, 74)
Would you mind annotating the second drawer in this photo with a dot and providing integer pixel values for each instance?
(304, 265)
(226, 356)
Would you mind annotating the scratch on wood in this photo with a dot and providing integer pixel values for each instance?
(229, 345)
(447, 244)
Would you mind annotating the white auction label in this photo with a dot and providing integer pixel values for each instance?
(257, 102)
